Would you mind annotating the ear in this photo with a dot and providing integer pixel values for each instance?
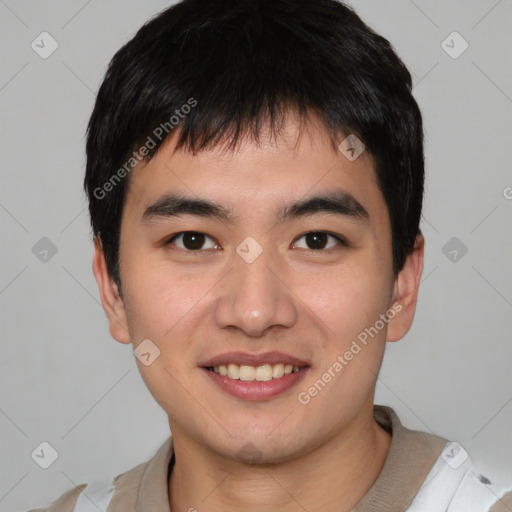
(110, 297)
(405, 292)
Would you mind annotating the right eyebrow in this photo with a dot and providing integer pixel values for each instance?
(173, 205)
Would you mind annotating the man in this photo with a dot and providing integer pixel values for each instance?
(255, 180)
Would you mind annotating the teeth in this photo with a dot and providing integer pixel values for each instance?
(247, 373)
(233, 371)
(261, 373)
(277, 371)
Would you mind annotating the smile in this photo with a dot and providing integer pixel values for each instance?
(255, 383)
(261, 373)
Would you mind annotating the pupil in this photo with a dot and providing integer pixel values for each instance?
(193, 240)
(316, 239)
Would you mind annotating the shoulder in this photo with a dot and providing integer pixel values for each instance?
(64, 503)
(98, 495)
(439, 474)
(124, 492)
(454, 484)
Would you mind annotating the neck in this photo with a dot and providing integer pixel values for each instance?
(331, 478)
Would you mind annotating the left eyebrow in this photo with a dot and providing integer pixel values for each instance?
(338, 202)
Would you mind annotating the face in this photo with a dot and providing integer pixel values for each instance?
(260, 274)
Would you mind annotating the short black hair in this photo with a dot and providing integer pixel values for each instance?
(237, 64)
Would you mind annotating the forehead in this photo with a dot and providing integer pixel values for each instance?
(257, 175)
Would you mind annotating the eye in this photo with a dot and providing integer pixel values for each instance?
(318, 240)
(191, 241)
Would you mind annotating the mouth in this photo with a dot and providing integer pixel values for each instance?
(255, 377)
(262, 373)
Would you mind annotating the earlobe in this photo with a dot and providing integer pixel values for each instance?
(111, 300)
(405, 292)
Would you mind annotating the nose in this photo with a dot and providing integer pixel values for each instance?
(254, 297)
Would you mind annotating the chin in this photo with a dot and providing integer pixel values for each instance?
(250, 448)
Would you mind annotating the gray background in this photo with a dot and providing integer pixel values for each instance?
(65, 381)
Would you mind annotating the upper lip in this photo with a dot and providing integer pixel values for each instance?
(252, 359)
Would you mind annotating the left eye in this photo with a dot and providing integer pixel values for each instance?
(318, 240)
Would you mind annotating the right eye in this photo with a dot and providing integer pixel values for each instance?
(191, 241)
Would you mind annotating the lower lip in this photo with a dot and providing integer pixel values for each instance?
(256, 390)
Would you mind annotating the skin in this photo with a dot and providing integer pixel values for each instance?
(322, 456)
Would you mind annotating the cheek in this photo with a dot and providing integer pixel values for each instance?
(350, 303)
(165, 309)
(348, 299)
(159, 298)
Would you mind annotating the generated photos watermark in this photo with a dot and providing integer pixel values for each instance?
(337, 366)
(160, 132)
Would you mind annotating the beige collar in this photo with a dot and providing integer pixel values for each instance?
(410, 458)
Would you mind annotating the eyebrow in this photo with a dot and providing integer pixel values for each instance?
(338, 202)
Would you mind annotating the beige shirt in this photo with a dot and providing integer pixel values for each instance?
(411, 456)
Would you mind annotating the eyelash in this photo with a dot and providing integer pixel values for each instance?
(342, 242)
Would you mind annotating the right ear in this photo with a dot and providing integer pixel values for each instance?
(110, 298)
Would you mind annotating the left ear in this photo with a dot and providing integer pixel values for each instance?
(405, 292)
